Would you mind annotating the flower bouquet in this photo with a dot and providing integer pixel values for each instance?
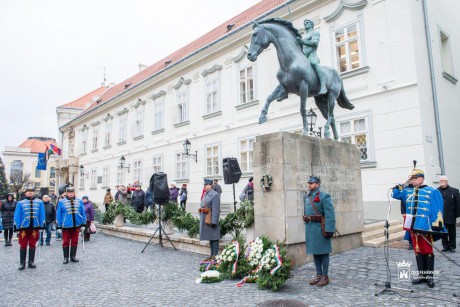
(274, 268)
(209, 265)
(232, 262)
(209, 277)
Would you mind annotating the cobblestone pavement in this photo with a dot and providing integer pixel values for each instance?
(114, 272)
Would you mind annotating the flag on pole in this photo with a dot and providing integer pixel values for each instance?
(41, 165)
(56, 150)
(47, 153)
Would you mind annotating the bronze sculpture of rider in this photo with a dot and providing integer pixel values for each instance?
(310, 42)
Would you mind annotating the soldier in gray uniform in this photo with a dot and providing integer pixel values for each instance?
(210, 203)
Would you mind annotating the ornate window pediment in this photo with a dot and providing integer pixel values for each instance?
(107, 117)
(345, 4)
(139, 102)
(211, 70)
(180, 82)
(241, 55)
(124, 111)
(96, 123)
(158, 95)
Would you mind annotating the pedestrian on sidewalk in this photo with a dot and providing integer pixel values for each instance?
(71, 217)
(89, 211)
(108, 198)
(451, 199)
(183, 196)
(50, 218)
(173, 193)
(29, 217)
(319, 218)
(7, 213)
(210, 202)
(138, 198)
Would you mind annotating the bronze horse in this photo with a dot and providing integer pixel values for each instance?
(296, 75)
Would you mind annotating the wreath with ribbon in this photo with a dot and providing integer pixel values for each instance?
(266, 182)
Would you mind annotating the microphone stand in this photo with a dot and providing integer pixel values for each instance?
(387, 288)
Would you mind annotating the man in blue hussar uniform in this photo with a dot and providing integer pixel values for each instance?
(318, 207)
(29, 217)
(211, 232)
(70, 215)
(424, 217)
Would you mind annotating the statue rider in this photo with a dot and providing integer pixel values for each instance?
(310, 40)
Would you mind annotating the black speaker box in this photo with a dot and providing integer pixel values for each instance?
(231, 169)
(159, 187)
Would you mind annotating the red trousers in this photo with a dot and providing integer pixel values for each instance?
(421, 246)
(28, 236)
(70, 236)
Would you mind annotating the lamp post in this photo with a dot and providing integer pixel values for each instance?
(311, 116)
(82, 171)
(121, 163)
(187, 145)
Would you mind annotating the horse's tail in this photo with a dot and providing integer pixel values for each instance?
(343, 101)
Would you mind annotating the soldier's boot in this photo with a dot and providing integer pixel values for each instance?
(421, 267)
(31, 258)
(73, 254)
(429, 267)
(22, 257)
(66, 254)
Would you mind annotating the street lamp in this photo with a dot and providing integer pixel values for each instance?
(311, 116)
(187, 146)
(82, 171)
(122, 161)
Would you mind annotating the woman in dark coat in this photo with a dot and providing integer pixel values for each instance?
(8, 207)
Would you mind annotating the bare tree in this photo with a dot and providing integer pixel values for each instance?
(17, 180)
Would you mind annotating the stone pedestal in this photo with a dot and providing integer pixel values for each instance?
(291, 159)
(119, 220)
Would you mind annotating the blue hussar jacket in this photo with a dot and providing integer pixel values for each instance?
(70, 213)
(29, 213)
(426, 205)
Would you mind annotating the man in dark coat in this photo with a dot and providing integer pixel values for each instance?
(210, 201)
(317, 206)
(7, 212)
(451, 212)
(216, 187)
(50, 218)
(138, 198)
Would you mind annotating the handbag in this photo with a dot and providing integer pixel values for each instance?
(92, 228)
(53, 226)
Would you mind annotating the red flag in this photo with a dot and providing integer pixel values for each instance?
(56, 150)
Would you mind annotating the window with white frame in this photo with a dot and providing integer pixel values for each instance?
(123, 127)
(108, 133)
(158, 114)
(182, 107)
(120, 176)
(212, 160)
(246, 154)
(446, 54)
(356, 131)
(95, 137)
(181, 166)
(137, 174)
(348, 48)
(157, 162)
(139, 123)
(212, 96)
(93, 178)
(82, 181)
(105, 176)
(246, 84)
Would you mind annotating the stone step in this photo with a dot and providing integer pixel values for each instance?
(379, 225)
(369, 235)
(377, 242)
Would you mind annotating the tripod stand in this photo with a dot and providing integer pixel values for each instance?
(160, 231)
(386, 248)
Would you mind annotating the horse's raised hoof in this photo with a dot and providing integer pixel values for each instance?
(262, 119)
(327, 135)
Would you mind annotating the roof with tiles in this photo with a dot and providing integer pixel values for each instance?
(215, 34)
(38, 144)
(82, 102)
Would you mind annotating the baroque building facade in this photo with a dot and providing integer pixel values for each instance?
(401, 80)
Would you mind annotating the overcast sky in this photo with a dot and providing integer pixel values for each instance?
(53, 51)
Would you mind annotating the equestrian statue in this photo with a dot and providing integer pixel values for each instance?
(299, 72)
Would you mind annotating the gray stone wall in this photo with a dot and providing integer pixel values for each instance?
(290, 159)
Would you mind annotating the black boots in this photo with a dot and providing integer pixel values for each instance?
(420, 267)
(22, 257)
(66, 254)
(429, 266)
(31, 264)
(73, 254)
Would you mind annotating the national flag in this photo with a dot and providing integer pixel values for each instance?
(41, 165)
(47, 153)
(56, 150)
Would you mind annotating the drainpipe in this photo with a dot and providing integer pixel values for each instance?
(433, 88)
